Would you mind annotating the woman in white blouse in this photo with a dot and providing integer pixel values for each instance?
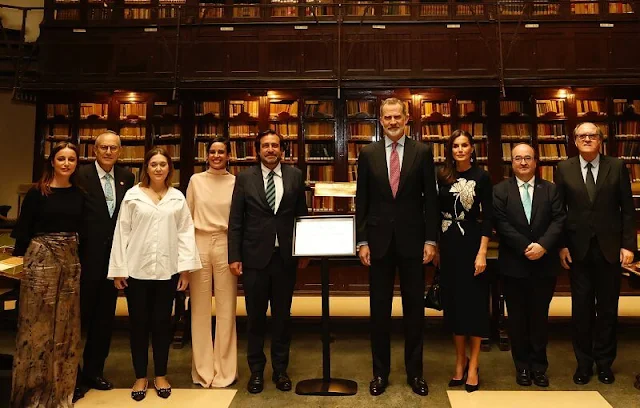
(153, 250)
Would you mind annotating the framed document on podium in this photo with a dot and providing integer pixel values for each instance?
(325, 236)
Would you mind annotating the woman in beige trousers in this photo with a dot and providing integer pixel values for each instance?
(209, 198)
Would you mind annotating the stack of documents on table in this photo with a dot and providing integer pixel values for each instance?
(10, 266)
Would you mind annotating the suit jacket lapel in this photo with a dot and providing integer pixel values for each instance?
(259, 185)
(603, 171)
(120, 188)
(514, 195)
(285, 185)
(579, 180)
(408, 158)
(96, 183)
(535, 205)
(380, 157)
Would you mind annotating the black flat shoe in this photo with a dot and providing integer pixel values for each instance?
(377, 386)
(78, 393)
(140, 395)
(162, 392)
(458, 383)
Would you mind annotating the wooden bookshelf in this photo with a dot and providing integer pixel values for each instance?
(436, 125)
(515, 127)
(550, 133)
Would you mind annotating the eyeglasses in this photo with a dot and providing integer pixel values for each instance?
(590, 136)
(104, 148)
(526, 159)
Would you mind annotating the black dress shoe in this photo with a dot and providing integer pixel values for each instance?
(78, 393)
(98, 383)
(473, 388)
(582, 378)
(606, 376)
(523, 377)
(540, 379)
(282, 381)
(419, 386)
(377, 386)
(255, 384)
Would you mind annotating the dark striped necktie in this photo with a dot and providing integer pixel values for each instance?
(271, 191)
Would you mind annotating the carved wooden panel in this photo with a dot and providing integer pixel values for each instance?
(318, 55)
(359, 55)
(129, 59)
(476, 55)
(553, 53)
(436, 54)
(395, 53)
(244, 54)
(591, 52)
(205, 57)
(282, 54)
(624, 57)
(518, 52)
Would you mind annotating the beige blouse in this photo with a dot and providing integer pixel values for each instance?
(209, 199)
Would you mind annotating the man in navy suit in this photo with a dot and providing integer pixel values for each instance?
(529, 218)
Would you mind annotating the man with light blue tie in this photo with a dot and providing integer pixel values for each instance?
(104, 184)
(529, 217)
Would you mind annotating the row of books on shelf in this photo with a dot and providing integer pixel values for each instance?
(133, 109)
(621, 106)
(288, 130)
(362, 130)
(551, 151)
(429, 108)
(634, 172)
(59, 131)
(319, 173)
(475, 129)
(167, 131)
(319, 151)
(510, 107)
(319, 204)
(628, 129)
(243, 130)
(584, 8)
(466, 108)
(361, 108)
(515, 130)
(322, 109)
(628, 150)
(276, 109)
(319, 130)
(551, 131)
(55, 110)
(353, 151)
(544, 107)
(207, 130)
(436, 130)
(238, 107)
(133, 133)
(101, 110)
(90, 133)
(173, 150)
(208, 108)
(585, 106)
(128, 154)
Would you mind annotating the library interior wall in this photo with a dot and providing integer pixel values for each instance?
(17, 127)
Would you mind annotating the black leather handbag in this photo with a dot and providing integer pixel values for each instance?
(432, 299)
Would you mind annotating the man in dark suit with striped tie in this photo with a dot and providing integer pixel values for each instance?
(397, 220)
(266, 200)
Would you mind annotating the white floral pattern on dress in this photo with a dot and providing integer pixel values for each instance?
(464, 191)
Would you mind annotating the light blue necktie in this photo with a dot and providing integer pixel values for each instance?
(108, 194)
(526, 201)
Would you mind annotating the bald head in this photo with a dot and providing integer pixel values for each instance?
(523, 161)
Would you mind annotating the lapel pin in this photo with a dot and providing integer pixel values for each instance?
(122, 183)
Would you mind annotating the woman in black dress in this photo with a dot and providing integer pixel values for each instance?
(464, 192)
(48, 339)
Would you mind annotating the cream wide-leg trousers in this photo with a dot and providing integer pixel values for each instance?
(213, 365)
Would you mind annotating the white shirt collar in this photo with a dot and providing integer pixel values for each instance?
(266, 170)
(594, 163)
(531, 182)
(388, 142)
(101, 172)
(136, 193)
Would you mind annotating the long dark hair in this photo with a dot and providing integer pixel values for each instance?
(44, 184)
(144, 175)
(448, 172)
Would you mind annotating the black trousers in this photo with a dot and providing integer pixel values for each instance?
(528, 306)
(271, 285)
(595, 289)
(150, 303)
(98, 307)
(381, 280)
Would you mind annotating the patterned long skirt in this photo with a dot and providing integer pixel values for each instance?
(48, 340)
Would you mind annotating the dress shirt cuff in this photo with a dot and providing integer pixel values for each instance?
(359, 244)
(432, 243)
(117, 273)
(189, 266)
